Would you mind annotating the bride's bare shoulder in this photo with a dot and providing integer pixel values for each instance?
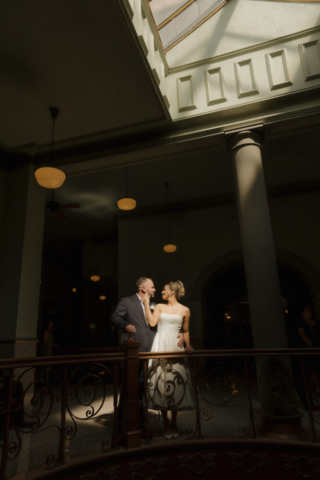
(160, 306)
(185, 309)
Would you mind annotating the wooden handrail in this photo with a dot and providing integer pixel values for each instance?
(117, 356)
(233, 353)
(60, 360)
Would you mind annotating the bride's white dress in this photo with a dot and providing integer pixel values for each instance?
(170, 385)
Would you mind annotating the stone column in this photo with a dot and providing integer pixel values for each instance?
(130, 395)
(266, 310)
(22, 209)
(21, 237)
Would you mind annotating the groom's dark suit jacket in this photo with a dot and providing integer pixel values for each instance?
(129, 312)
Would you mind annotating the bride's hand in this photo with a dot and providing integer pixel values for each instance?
(146, 298)
(189, 350)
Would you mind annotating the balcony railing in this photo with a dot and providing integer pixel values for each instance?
(57, 410)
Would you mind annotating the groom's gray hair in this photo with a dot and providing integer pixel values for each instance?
(141, 281)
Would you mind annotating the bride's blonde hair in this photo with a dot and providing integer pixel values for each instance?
(177, 288)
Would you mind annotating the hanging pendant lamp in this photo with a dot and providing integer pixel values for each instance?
(95, 278)
(126, 203)
(49, 177)
(170, 247)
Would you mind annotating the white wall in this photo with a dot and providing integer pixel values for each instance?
(204, 235)
(241, 24)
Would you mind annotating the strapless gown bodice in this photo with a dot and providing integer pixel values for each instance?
(169, 322)
(166, 339)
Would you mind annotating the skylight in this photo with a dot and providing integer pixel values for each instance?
(175, 19)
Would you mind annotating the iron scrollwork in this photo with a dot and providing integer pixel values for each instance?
(34, 400)
(198, 463)
(148, 470)
(248, 462)
(110, 474)
(306, 467)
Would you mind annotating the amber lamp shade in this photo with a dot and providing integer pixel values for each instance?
(126, 203)
(49, 177)
(103, 297)
(95, 278)
(169, 248)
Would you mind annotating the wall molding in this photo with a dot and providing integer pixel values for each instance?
(273, 69)
(214, 87)
(245, 78)
(311, 66)
(244, 51)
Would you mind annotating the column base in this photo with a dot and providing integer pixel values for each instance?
(132, 439)
(282, 428)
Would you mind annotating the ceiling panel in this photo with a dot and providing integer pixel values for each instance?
(77, 56)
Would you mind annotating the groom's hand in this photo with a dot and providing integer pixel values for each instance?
(180, 336)
(131, 329)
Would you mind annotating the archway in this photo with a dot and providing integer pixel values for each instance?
(224, 294)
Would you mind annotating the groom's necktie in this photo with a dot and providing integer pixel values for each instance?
(143, 309)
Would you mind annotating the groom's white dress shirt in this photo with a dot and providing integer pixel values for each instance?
(143, 308)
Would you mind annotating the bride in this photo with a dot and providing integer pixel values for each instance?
(169, 380)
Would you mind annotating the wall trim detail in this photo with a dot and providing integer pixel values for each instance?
(311, 67)
(247, 50)
(185, 91)
(273, 69)
(244, 72)
(219, 97)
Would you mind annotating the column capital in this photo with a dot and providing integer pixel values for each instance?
(241, 137)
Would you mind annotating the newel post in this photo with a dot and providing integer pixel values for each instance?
(130, 395)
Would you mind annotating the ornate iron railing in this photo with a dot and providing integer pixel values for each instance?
(45, 403)
(43, 396)
(273, 389)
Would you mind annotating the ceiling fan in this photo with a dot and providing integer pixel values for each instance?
(55, 207)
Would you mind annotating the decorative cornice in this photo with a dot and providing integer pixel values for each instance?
(244, 51)
(261, 101)
(155, 32)
(128, 22)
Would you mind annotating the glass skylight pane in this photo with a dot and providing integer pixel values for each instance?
(182, 16)
(163, 9)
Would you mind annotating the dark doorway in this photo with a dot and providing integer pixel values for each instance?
(226, 308)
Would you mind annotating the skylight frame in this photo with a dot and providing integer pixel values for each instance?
(175, 14)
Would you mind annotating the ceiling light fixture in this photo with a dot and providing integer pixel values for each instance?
(126, 203)
(49, 177)
(169, 248)
(95, 278)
